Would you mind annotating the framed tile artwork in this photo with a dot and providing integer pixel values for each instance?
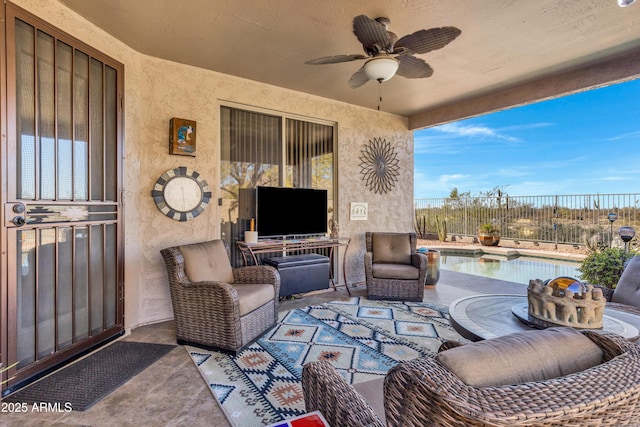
(182, 140)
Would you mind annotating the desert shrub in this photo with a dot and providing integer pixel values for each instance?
(604, 267)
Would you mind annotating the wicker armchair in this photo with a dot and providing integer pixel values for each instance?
(626, 295)
(393, 268)
(422, 392)
(216, 306)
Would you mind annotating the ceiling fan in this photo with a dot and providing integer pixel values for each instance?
(387, 55)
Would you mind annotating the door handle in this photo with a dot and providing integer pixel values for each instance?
(14, 214)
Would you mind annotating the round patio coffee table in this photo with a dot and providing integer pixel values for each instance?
(482, 317)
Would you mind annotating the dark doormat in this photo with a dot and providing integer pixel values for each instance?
(84, 383)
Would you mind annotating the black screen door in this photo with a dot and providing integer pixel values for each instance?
(62, 229)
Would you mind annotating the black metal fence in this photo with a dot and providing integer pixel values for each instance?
(561, 219)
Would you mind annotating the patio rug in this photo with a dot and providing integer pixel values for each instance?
(85, 382)
(363, 339)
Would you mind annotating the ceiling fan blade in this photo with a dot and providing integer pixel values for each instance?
(336, 59)
(371, 33)
(358, 79)
(393, 38)
(424, 41)
(413, 68)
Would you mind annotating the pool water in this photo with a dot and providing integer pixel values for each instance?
(519, 270)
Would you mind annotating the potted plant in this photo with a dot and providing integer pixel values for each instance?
(488, 234)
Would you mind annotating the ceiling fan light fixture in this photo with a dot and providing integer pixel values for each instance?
(381, 69)
(625, 3)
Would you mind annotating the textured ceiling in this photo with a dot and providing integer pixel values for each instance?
(503, 42)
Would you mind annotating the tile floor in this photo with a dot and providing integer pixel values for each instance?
(172, 393)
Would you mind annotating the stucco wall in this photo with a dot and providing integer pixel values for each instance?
(157, 90)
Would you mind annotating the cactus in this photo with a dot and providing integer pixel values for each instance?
(441, 227)
(421, 226)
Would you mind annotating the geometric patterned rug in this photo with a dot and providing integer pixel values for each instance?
(361, 338)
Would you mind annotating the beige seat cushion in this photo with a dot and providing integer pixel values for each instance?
(522, 357)
(373, 392)
(392, 248)
(395, 271)
(253, 296)
(628, 288)
(207, 262)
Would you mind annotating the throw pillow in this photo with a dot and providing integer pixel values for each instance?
(522, 357)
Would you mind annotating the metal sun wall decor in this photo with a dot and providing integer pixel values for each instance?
(379, 166)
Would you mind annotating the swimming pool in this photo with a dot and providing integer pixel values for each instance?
(519, 270)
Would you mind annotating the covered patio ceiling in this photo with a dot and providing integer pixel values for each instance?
(510, 52)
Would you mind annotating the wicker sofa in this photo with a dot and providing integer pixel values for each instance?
(393, 268)
(216, 306)
(626, 295)
(426, 392)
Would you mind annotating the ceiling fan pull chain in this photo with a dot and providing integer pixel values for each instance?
(379, 93)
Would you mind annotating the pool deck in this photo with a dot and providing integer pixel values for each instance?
(507, 252)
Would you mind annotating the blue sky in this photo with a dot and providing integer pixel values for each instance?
(585, 143)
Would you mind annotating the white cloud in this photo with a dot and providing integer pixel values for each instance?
(613, 178)
(426, 186)
(473, 131)
(628, 135)
(527, 126)
(428, 145)
(453, 177)
(524, 170)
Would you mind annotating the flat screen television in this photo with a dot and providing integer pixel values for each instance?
(284, 211)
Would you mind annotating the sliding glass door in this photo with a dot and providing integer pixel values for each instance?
(274, 150)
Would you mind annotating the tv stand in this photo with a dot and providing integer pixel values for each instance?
(302, 273)
(250, 250)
